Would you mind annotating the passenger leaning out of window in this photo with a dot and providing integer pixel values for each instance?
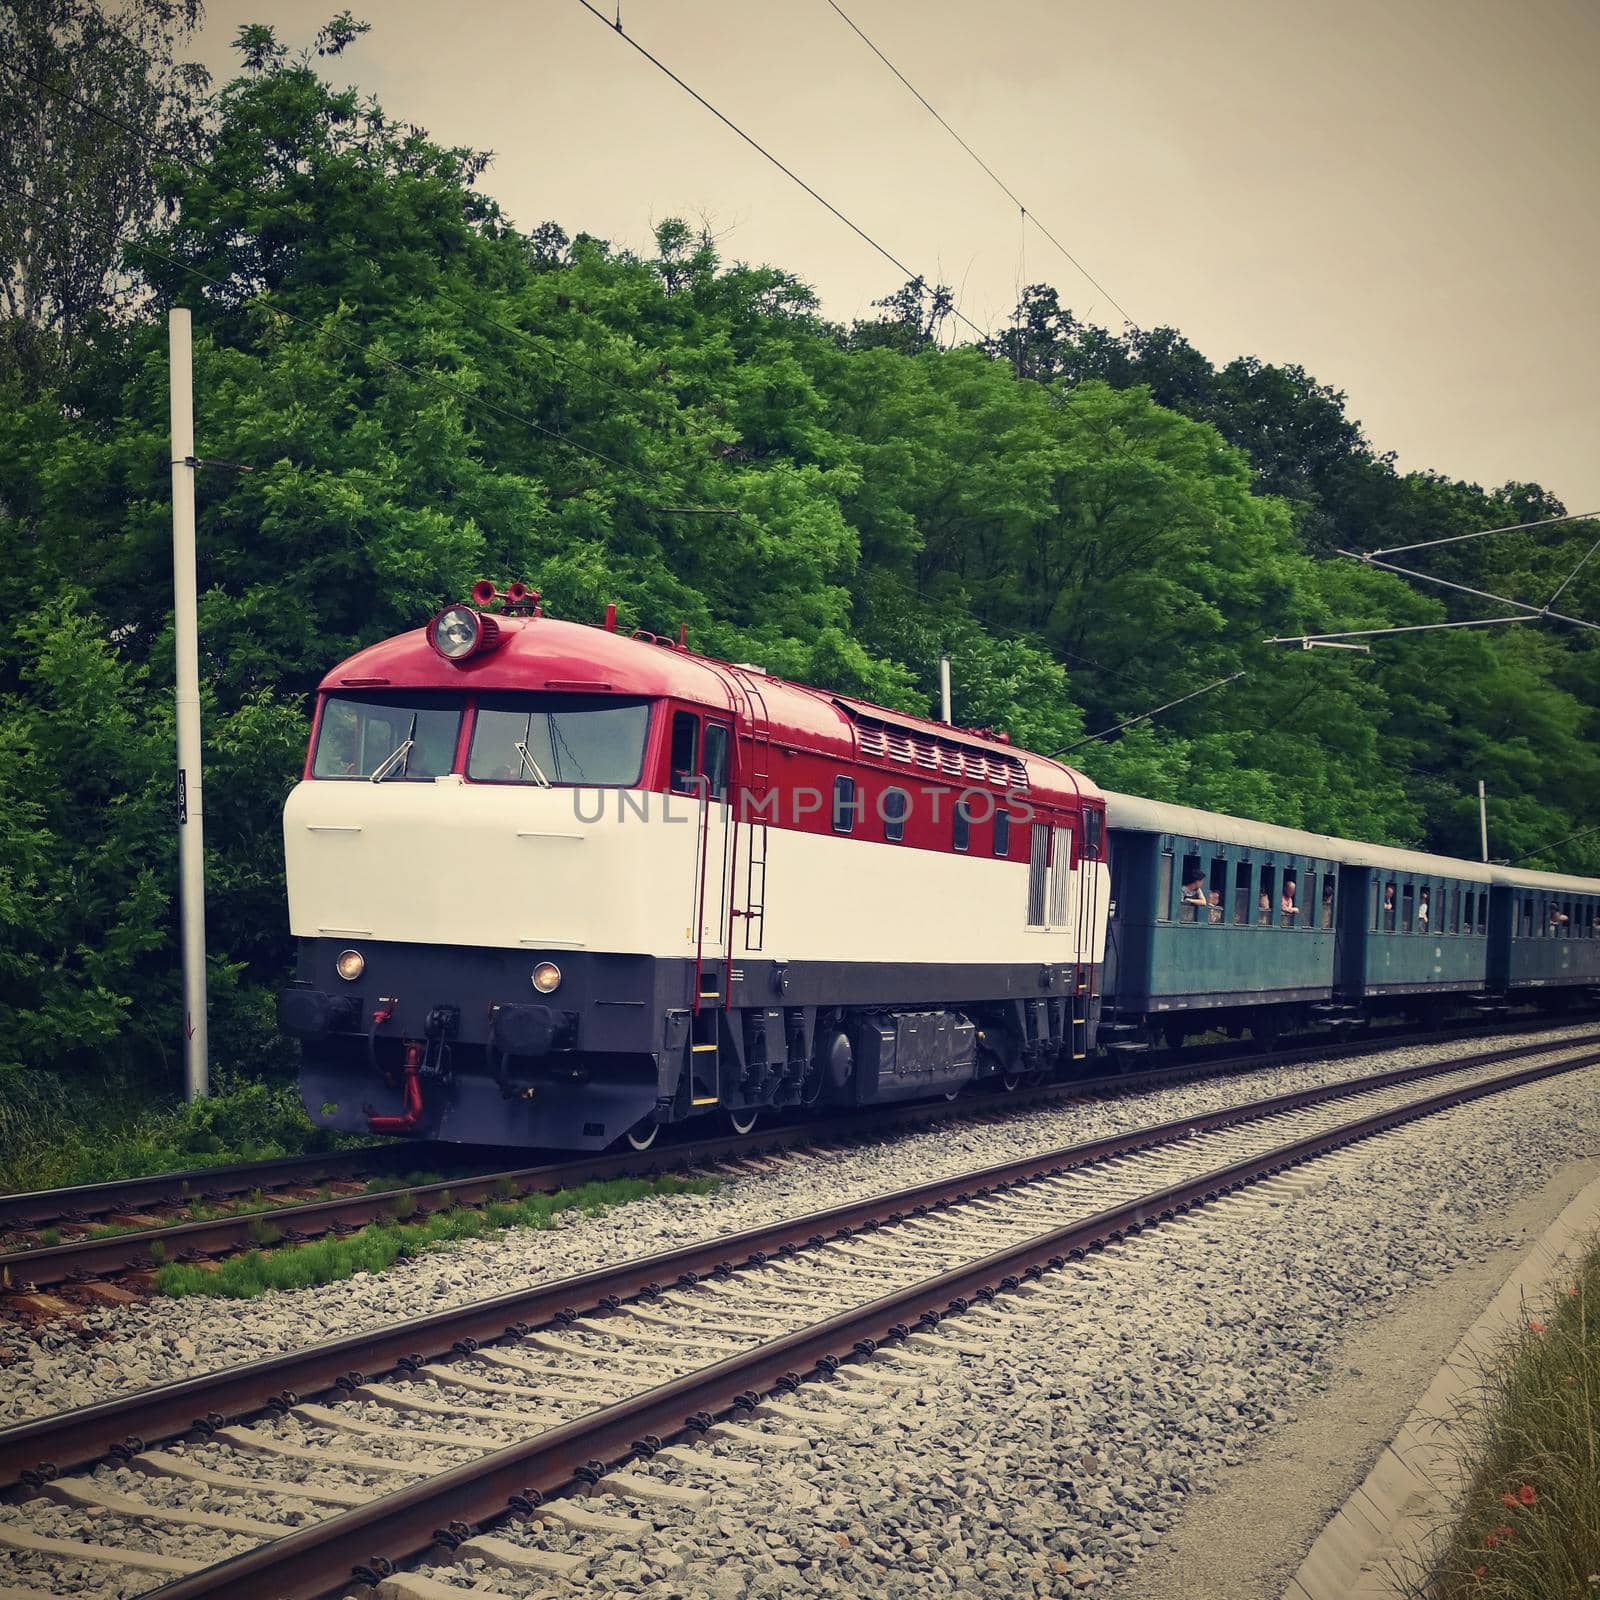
(1214, 906)
(1422, 912)
(1558, 917)
(1194, 890)
(1287, 906)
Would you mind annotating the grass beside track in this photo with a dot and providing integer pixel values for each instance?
(1529, 1525)
(50, 1138)
(380, 1245)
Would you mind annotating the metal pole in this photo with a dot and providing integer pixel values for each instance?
(944, 688)
(191, 813)
(1483, 820)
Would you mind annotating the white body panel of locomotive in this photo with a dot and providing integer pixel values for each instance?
(619, 871)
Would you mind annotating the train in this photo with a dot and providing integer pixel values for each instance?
(559, 885)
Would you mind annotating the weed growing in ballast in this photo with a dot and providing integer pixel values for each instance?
(380, 1245)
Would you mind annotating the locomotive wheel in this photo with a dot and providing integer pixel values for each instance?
(1010, 1082)
(743, 1122)
(643, 1134)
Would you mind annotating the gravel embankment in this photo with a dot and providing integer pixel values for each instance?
(1080, 1421)
(130, 1348)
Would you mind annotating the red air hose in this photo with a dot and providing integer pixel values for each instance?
(410, 1119)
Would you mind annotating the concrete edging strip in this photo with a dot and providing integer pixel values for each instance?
(1386, 1526)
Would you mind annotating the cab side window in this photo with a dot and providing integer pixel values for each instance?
(685, 752)
(714, 760)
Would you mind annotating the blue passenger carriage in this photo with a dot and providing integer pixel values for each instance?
(1219, 922)
(1546, 932)
(1414, 927)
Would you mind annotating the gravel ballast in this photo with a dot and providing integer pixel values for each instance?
(130, 1348)
(1052, 1440)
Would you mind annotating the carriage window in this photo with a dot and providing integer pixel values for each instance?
(1425, 908)
(1192, 901)
(845, 805)
(1524, 916)
(1242, 875)
(1308, 902)
(563, 739)
(1330, 893)
(1390, 908)
(1163, 887)
(1483, 912)
(1467, 919)
(1264, 900)
(961, 826)
(399, 740)
(1455, 910)
(1566, 920)
(1038, 865)
(1217, 890)
(1002, 837)
(1289, 903)
(1408, 898)
(895, 808)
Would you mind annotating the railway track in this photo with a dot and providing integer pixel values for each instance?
(277, 1210)
(555, 1414)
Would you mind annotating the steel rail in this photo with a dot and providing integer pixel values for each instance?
(38, 1267)
(39, 1207)
(39, 1449)
(515, 1479)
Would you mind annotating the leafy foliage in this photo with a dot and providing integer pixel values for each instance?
(1092, 524)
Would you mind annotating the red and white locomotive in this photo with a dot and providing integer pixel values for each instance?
(555, 885)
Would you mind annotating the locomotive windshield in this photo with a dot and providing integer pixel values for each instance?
(558, 739)
(389, 740)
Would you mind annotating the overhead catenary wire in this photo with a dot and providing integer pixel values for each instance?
(1148, 716)
(788, 171)
(1481, 533)
(1000, 183)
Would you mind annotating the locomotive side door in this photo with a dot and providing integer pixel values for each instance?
(716, 740)
(700, 758)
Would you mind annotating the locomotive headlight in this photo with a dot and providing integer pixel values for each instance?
(455, 632)
(547, 977)
(350, 964)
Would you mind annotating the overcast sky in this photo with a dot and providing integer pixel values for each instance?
(1400, 196)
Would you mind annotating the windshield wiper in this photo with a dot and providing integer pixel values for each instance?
(397, 756)
(532, 765)
(392, 760)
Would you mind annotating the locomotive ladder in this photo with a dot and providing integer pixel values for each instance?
(1082, 998)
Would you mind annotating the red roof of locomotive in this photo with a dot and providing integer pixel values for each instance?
(545, 653)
